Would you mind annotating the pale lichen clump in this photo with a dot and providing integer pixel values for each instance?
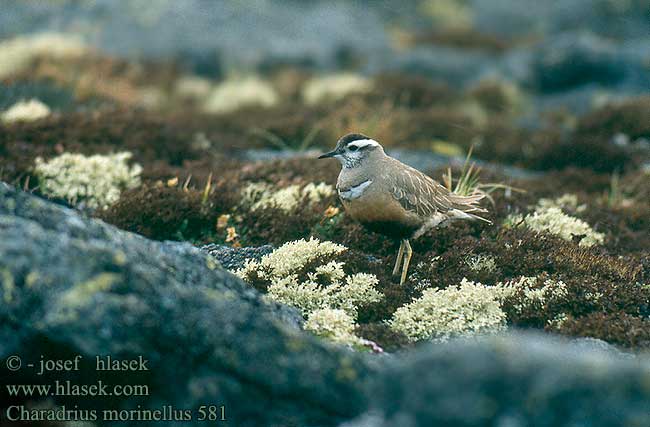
(473, 308)
(192, 87)
(554, 221)
(25, 111)
(525, 292)
(334, 324)
(290, 258)
(19, 52)
(558, 321)
(566, 201)
(334, 87)
(347, 293)
(549, 217)
(482, 263)
(259, 195)
(304, 274)
(237, 93)
(96, 181)
(468, 309)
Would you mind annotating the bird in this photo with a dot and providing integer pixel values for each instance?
(391, 198)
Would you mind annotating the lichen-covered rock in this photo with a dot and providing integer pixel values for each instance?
(515, 381)
(71, 285)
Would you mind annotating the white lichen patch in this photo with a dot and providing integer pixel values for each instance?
(567, 202)
(348, 293)
(289, 258)
(482, 263)
(334, 87)
(259, 195)
(96, 181)
(16, 54)
(304, 274)
(192, 87)
(557, 321)
(237, 93)
(468, 309)
(25, 111)
(533, 294)
(333, 324)
(553, 220)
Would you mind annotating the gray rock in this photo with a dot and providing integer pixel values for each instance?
(513, 381)
(72, 285)
(587, 345)
(234, 258)
(572, 60)
(211, 34)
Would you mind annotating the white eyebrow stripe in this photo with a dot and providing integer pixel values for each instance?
(356, 191)
(360, 143)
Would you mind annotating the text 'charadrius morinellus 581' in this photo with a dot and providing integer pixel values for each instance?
(393, 199)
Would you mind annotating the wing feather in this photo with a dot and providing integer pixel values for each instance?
(418, 193)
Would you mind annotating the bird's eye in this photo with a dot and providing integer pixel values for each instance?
(353, 148)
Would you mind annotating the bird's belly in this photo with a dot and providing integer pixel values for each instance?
(383, 215)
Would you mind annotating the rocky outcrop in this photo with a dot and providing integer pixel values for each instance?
(516, 381)
(76, 286)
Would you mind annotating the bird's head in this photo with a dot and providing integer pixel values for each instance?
(352, 149)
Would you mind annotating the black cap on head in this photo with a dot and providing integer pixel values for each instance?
(346, 139)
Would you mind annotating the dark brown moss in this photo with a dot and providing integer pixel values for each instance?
(344, 230)
(616, 328)
(298, 170)
(384, 336)
(412, 92)
(584, 182)
(587, 152)
(289, 126)
(96, 133)
(494, 96)
(168, 213)
(519, 252)
(499, 141)
(581, 297)
(275, 226)
(629, 117)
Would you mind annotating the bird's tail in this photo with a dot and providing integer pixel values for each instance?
(467, 207)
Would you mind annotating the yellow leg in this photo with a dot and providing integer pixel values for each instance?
(398, 261)
(407, 260)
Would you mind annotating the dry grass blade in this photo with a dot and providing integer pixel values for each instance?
(281, 144)
(468, 183)
(206, 190)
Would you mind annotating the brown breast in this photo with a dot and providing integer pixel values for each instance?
(380, 212)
